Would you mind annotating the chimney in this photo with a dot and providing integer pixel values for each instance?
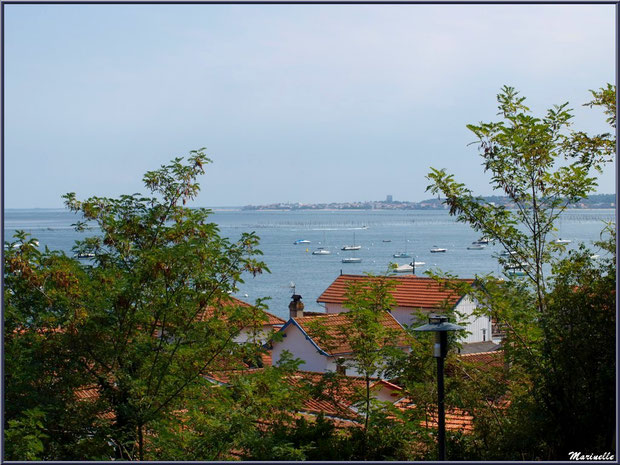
(296, 307)
(341, 368)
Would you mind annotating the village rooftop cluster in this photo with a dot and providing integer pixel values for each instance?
(326, 352)
(594, 201)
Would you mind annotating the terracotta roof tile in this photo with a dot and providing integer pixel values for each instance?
(331, 325)
(266, 359)
(494, 358)
(336, 396)
(456, 419)
(213, 310)
(410, 291)
(91, 394)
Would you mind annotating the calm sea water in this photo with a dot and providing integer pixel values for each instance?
(413, 231)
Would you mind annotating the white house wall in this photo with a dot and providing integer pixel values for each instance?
(405, 316)
(245, 335)
(335, 308)
(300, 347)
(479, 328)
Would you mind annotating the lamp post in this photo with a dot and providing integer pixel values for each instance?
(440, 325)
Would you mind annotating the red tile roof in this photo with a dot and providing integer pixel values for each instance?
(91, 394)
(266, 358)
(338, 391)
(213, 310)
(330, 337)
(456, 419)
(494, 358)
(409, 291)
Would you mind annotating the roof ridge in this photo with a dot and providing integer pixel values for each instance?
(482, 353)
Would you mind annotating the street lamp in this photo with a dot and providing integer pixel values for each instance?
(440, 325)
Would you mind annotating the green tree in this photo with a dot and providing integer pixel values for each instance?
(523, 155)
(600, 149)
(549, 316)
(372, 343)
(127, 323)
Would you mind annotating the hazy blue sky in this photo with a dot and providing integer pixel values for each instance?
(300, 103)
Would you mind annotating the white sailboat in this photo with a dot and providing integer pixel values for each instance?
(322, 250)
(402, 254)
(352, 247)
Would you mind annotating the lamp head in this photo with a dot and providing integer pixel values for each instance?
(438, 323)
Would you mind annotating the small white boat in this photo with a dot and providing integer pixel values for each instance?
(301, 241)
(483, 240)
(321, 251)
(505, 253)
(407, 268)
(516, 266)
(85, 255)
(475, 246)
(438, 250)
(401, 255)
(562, 241)
(351, 260)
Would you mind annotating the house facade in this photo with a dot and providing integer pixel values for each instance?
(247, 332)
(319, 340)
(414, 295)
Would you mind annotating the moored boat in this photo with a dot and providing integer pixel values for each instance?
(562, 241)
(85, 255)
(401, 255)
(436, 249)
(351, 260)
(352, 247)
(407, 268)
(321, 251)
(301, 241)
(505, 253)
(483, 241)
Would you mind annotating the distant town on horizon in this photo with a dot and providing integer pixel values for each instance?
(592, 202)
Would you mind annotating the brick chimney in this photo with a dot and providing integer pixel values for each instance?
(296, 307)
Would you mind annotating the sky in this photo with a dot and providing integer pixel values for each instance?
(294, 103)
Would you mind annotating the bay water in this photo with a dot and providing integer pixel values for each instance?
(380, 233)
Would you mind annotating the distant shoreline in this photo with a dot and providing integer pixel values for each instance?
(257, 209)
(594, 202)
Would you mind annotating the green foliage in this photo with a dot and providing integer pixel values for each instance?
(600, 149)
(522, 153)
(130, 324)
(25, 436)
(558, 394)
